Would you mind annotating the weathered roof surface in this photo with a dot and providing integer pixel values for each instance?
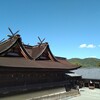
(31, 56)
(6, 45)
(89, 73)
(36, 51)
(26, 63)
(65, 62)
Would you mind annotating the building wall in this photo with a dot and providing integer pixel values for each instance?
(16, 77)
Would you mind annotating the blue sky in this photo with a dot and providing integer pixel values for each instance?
(71, 27)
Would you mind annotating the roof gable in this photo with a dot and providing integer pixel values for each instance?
(13, 47)
(46, 54)
(40, 52)
(41, 55)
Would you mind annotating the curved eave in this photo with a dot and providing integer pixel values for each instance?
(46, 47)
(40, 53)
(76, 68)
(23, 49)
(23, 63)
(7, 47)
(52, 54)
(8, 44)
(69, 65)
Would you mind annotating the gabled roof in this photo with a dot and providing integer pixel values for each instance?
(40, 50)
(11, 42)
(36, 56)
(6, 45)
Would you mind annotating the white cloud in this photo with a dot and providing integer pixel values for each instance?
(91, 46)
(87, 46)
(83, 46)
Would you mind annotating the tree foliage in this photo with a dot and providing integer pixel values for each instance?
(87, 62)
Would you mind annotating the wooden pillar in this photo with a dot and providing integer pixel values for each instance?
(99, 84)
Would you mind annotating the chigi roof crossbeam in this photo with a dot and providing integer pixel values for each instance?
(41, 54)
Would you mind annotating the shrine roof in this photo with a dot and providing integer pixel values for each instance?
(38, 56)
(26, 63)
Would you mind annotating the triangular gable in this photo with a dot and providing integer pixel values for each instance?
(6, 45)
(40, 52)
(37, 51)
(13, 47)
(44, 53)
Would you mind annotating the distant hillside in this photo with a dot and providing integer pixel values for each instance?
(87, 62)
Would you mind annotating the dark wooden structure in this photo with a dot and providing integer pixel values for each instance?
(24, 67)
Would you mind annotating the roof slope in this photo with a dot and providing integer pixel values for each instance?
(36, 56)
(69, 65)
(40, 50)
(6, 45)
(10, 43)
(26, 63)
(89, 73)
